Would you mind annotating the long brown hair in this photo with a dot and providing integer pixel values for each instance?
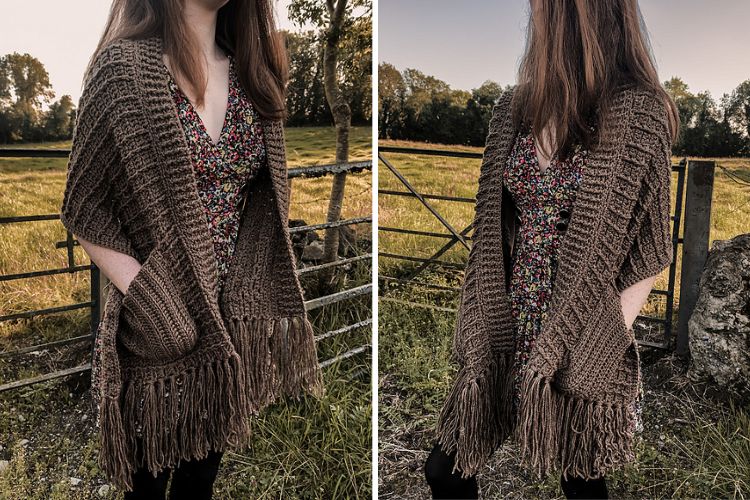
(578, 53)
(244, 28)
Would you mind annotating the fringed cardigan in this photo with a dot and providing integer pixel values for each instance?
(583, 372)
(181, 366)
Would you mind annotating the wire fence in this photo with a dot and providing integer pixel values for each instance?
(96, 296)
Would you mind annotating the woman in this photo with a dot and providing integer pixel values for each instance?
(571, 230)
(177, 190)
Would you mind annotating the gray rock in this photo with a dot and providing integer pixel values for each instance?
(313, 251)
(103, 490)
(4, 464)
(74, 481)
(719, 328)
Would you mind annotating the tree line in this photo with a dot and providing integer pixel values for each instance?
(24, 88)
(415, 106)
(29, 111)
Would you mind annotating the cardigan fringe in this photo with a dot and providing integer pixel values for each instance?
(186, 414)
(114, 458)
(278, 357)
(476, 417)
(581, 437)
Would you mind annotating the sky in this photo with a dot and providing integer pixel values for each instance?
(463, 43)
(706, 43)
(63, 35)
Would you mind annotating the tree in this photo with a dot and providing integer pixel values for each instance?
(688, 106)
(336, 19)
(24, 88)
(60, 119)
(391, 102)
(356, 69)
(416, 106)
(306, 103)
(737, 108)
(479, 111)
(708, 129)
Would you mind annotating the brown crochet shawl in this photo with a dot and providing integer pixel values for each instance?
(180, 366)
(583, 371)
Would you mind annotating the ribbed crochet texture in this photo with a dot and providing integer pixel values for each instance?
(583, 371)
(181, 366)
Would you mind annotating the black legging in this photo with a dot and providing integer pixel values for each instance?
(193, 479)
(443, 482)
(446, 484)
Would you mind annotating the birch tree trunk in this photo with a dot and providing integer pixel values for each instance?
(342, 116)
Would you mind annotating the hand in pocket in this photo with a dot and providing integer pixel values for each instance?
(158, 325)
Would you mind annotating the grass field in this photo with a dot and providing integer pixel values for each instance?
(314, 448)
(696, 444)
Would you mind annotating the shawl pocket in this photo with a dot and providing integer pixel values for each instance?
(604, 362)
(583, 417)
(158, 325)
(629, 373)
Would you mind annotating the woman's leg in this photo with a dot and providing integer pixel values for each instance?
(194, 479)
(444, 483)
(148, 487)
(577, 487)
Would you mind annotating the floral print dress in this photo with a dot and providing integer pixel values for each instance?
(544, 202)
(222, 169)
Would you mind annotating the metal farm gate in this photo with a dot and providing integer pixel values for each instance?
(94, 302)
(693, 239)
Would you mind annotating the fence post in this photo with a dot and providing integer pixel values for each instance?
(700, 187)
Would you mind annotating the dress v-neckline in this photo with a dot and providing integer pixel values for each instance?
(199, 119)
(177, 177)
(542, 174)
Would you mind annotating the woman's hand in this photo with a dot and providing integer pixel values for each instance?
(118, 267)
(633, 298)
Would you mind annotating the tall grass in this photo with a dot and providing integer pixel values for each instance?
(708, 457)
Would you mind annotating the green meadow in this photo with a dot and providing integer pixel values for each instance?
(696, 444)
(312, 448)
